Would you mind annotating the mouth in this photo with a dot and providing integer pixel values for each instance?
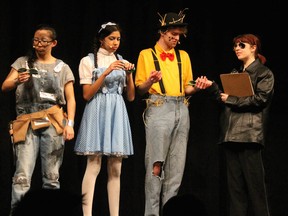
(39, 48)
(174, 41)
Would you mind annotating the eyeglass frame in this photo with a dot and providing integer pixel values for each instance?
(41, 41)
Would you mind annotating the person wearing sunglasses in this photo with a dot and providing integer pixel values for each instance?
(243, 130)
(45, 109)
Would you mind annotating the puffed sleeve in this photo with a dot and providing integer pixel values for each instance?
(86, 68)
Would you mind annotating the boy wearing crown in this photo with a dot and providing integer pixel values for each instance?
(165, 74)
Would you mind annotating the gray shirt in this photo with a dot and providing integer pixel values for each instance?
(45, 88)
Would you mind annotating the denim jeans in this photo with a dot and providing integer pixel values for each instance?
(50, 145)
(167, 124)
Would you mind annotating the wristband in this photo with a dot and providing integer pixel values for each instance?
(70, 123)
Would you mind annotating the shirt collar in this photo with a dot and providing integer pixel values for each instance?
(105, 52)
(159, 49)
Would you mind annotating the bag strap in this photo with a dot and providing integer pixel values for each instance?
(59, 66)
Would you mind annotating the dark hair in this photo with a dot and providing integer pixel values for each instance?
(252, 40)
(31, 54)
(184, 29)
(48, 28)
(105, 30)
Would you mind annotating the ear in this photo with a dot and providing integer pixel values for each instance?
(54, 43)
(253, 47)
(162, 33)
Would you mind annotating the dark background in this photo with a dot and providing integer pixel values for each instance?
(212, 26)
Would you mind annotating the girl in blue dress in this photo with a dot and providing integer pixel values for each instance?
(105, 128)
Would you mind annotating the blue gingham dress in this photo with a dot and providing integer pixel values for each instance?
(105, 127)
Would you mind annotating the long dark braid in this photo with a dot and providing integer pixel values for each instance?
(96, 46)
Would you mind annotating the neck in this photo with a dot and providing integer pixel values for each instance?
(164, 46)
(247, 63)
(46, 58)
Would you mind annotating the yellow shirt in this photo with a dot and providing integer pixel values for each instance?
(169, 69)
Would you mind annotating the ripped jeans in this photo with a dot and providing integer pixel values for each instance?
(167, 125)
(51, 148)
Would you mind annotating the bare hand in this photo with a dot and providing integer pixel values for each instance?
(23, 77)
(129, 66)
(68, 133)
(155, 76)
(224, 97)
(117, 65)
(202, 82)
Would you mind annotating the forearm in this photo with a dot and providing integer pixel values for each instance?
(189, 90)
(71, 109)
(89, 90)
(144, 87)
(130, 88)
(9, 85)
(71, 102)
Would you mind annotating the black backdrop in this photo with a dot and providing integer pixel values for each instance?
(212, 25)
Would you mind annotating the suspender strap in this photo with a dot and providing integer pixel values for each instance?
(157, 67)
(179, 67)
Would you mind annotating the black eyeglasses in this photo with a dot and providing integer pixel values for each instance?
(41, 41)
(240, 44)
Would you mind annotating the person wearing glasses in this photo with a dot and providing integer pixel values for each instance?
(45, 109)
(244, 122)
(106, 78)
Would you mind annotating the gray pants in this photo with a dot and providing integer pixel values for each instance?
(167, 129)
(51, 148)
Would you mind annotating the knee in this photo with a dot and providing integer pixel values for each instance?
(52, 176)
(157, 168)
(114, 173)
(22, 180)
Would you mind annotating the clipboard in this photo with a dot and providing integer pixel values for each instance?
(237, 84)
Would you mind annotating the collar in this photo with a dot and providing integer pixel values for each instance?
(159, 49)
(105, 52)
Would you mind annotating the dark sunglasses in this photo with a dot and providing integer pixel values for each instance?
(240, 44)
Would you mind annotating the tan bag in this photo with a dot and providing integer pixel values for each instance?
(40, 123)
(20, 127)
(41, 119)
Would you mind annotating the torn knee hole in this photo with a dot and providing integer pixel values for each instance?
(20, 180)
(157, 168)
(51, 176)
